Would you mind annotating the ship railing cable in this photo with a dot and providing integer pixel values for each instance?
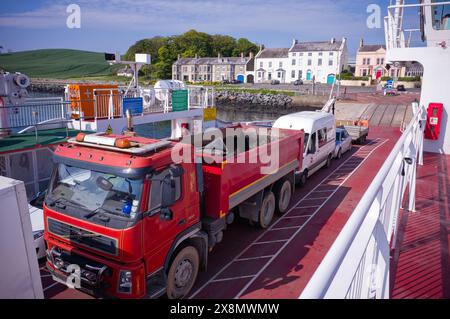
(358, 263)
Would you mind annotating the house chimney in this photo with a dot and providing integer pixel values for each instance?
(361, 43)
(294, 42)
(242, 55)
(179, 56)
(196, 56)
(251, 55)
(333, 40)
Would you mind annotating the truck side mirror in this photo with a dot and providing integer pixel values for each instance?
(176, 171)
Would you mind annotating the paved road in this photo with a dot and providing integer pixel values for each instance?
(308, 88)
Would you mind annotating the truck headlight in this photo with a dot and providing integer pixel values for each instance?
(37, 234)
(125, 282)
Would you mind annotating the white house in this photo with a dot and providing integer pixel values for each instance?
(271, 64)
(303, 60)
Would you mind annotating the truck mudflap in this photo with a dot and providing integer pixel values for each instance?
(89, 275)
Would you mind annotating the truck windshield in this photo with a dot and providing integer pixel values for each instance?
(95, 192)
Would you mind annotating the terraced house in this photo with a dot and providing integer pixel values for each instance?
(305, 61)
(213, 69)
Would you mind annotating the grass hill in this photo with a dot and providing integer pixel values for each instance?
(57, 64)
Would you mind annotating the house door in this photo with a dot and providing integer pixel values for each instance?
(330, 79)
(240, 78)
(308, 75)
(379, 74)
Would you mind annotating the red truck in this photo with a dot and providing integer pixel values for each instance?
(124, 220)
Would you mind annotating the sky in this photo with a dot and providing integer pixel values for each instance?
(114, 25)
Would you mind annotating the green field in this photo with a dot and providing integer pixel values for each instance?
(57, 64)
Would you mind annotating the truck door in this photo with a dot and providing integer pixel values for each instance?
(160, 228)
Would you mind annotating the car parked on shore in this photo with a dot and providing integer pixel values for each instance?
(298, 82)
(275, 82)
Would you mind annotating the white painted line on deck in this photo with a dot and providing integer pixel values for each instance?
(253, 258)
(231, 278)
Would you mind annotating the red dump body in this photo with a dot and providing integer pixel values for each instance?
(228, 177)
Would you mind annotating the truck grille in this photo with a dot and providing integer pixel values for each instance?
(79, 236)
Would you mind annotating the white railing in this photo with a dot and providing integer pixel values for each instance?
(397, 34)
(357, 264)
(108, 103)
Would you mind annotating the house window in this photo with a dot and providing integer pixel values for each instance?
(270, 64)
(319, 62)
(293, 61)
(331, 53)
(310, 54)
(294, 54)
(364, 72)
(269, 76)
(309, 62)
(300, 74)
(280, 64)
(382, 61)
(364, 61)
(293, 74)
(300, 54)
(279, 75)
(330, 62)
(260, 64)
(378, 61)
(259, 75)
(320, 53)
(368, 61)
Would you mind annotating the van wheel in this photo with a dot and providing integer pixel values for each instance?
(267, 210)
(283, 194)
(183, 273)
(328, 161)
(301, 180)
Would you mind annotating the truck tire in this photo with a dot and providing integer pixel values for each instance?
(183, 273)
(267, 210)
(283, 195)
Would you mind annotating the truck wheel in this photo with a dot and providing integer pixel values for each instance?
(183, 273)
(267, 210)
(283, 194)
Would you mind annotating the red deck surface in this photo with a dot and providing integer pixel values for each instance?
(421, 266)
(278, 262)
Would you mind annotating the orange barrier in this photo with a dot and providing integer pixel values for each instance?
(82, 98)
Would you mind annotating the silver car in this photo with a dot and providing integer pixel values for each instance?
(343, 142)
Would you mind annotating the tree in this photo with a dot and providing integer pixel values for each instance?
(223, 44)
(245, 46)
(165, 50)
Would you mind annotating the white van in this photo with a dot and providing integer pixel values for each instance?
(320, 139)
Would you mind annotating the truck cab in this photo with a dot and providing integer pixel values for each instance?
(320, 137)
(110, 215)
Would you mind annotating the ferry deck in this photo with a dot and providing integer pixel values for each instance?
(280, 261)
